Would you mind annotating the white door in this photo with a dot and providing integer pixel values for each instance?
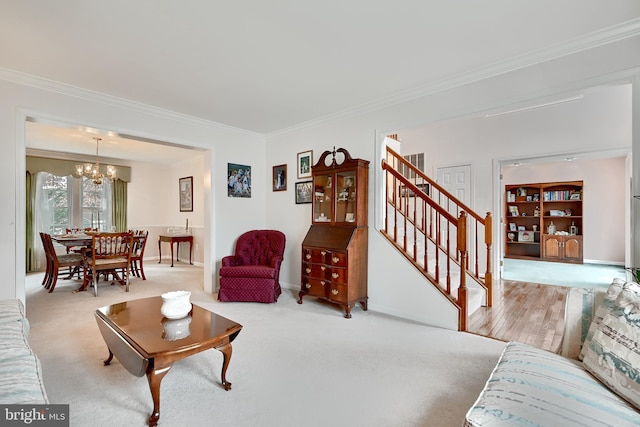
(457, 181)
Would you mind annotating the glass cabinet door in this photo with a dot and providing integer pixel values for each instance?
(346, 196)
(322, 197)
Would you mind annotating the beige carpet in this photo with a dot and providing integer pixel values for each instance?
(292, 365)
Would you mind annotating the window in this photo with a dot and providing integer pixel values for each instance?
(67, 202)
(416, 160)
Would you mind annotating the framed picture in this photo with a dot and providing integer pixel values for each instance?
(186, 194)
(238, 180)
(512, 226)
(305, 161)
(513, 211)
(575, 196)
(304, 192)
(536, 197)
(521, 228)
(279, 178)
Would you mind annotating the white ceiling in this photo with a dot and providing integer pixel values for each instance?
(265, 66)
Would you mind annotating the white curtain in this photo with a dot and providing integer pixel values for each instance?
(41, 218)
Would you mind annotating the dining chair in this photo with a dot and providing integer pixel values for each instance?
(54, 262)
(139, 243)
(109, 253)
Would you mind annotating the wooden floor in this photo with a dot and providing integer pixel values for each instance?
(526, 312)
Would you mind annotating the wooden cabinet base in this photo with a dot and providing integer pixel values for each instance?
(347, 306)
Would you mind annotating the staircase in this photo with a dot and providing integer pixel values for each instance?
(440, 236)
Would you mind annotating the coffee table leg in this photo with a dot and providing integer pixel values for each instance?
(155, 378)
(226, 357)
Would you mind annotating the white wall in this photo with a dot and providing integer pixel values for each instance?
(601, 121)
(153, 205)
(225, 218)
(603, 201)
(391, 288)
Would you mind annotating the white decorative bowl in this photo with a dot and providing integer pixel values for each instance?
(175, 305)
(176, 329)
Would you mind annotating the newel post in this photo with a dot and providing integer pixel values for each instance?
(462, 289)
(488, 239)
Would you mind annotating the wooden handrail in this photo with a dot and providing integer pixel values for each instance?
(432, 214)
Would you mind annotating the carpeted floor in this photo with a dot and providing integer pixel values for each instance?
(561, 274)
(292, 365)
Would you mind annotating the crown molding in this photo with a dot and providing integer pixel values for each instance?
(89, 95)
(592, 40)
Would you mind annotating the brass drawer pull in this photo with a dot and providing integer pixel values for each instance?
(335, 259)
(308, 286)
(322, 282)
(335, 275)
(334, 291)
(323, 253)
(323, 268)
(308, 256)
(308, 270)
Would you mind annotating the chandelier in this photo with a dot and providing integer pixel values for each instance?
(92, 171)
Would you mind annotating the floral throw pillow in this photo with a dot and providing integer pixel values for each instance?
(603, 309)
(613, 354)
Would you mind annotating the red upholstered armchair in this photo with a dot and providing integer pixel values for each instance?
(253, 273)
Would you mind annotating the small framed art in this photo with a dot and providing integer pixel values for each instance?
(186, 194)
(279, 178)
(304, 192)
(304, 162)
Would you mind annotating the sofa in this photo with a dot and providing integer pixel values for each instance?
(595, 381)
(20, 370)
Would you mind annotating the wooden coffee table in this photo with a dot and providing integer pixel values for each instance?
(141, 339)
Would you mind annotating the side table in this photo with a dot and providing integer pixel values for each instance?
(175, 238)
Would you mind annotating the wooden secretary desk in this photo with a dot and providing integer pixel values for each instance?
(334, 251)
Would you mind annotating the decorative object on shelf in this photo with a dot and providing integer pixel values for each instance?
(513, 211)
(304, 162)
(551, 229)
(238, 180)
(175, 304)
(536, 212)
(525, 236)
(536, 197)
(279, 178)
(573, 230)
(521, 228)
(535, 227)
(92, 171)
(529, 199)
(304, 192)
(186, 194)
(576, 196)
(511, 236)
(512, 226)
(556, 212)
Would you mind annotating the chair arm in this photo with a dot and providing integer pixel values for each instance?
(275, 262)
(231, 261)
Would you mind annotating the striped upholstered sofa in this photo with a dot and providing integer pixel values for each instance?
(20, 372)
(594, 382)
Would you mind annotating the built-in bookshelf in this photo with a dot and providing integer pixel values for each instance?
(543, 221)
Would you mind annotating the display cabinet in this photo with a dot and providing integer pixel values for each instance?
(543, 221)
(334, 250)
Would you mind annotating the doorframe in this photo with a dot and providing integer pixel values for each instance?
(499, 163)
(20, 227)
